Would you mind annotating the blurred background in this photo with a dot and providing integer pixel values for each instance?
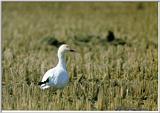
(116, 67)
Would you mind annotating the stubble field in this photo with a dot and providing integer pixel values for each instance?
(104, 75)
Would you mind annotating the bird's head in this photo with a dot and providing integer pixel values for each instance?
(64, 48)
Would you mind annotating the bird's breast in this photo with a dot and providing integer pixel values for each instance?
(61, 79)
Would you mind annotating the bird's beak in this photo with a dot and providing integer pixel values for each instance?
(72, 50)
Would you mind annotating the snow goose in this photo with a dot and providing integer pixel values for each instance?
(57, 77)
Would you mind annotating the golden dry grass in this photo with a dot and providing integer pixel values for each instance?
(102, 76)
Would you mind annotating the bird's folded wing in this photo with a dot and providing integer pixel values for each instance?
(49, 74)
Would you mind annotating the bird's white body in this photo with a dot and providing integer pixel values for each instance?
(57, 77)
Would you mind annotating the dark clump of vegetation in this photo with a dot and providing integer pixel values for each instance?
(52, 41)
(110, 37)
(113, 40)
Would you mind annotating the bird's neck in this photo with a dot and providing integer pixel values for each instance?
(61, 60)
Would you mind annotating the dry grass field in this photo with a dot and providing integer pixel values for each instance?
(111, 71)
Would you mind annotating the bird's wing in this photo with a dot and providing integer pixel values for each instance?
(49, 73)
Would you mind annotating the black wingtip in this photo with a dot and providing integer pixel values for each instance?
(40, 83)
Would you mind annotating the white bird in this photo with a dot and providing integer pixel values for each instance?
(57, 77)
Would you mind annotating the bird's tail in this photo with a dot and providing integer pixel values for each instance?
(44, 86)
